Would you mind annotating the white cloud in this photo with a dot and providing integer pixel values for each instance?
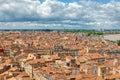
(81, 14)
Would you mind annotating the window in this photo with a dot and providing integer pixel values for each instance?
(72, 79)
(68, 64)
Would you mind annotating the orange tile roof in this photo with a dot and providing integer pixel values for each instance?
(78, 76)
(55, 57)
(115, 76)
(36, 61)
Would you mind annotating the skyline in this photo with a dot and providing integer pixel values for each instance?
(60, 14)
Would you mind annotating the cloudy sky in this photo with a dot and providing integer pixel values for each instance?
(59, 14)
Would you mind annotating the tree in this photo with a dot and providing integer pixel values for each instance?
(99, 33)
(118, 42)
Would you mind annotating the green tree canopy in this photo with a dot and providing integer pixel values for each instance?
(118, 42)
